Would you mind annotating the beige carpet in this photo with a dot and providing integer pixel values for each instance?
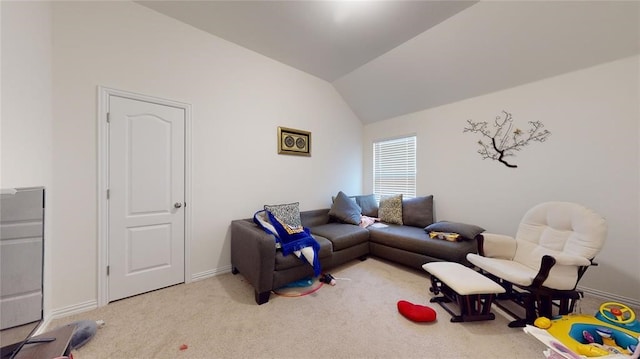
(218, 318)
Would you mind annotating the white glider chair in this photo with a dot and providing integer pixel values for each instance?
(540, 268)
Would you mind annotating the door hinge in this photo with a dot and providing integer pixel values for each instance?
(108, 193)
(108, 117)
(108, 267)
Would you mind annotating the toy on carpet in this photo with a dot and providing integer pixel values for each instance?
(299, 288)
(83, 332)
(304, 282)
(613, 332)
(416, 312)
(328, 278)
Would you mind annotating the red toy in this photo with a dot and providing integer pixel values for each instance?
(416, 312)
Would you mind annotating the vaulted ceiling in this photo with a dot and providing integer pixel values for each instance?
(389, 58)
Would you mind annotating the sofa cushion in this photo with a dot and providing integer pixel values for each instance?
(341, 235)
(416, 240)
(466, 231)
(315, 217)
(368, 204)
(345, 209)
(288, 213)
(390, 209)
(285, 262)
(417, 212)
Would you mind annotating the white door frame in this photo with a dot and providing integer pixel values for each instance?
(103, 183)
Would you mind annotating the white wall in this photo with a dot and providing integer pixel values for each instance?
(239, 98)
(26, 140)
(26, 94)
(591, 157)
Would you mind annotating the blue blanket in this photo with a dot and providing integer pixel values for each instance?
(289, 238)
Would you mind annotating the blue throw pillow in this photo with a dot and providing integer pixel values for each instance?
(345, 209)
(368, 204)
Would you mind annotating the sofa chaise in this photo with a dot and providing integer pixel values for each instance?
(255, 256)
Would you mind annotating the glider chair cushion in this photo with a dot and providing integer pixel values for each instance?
(554, 244)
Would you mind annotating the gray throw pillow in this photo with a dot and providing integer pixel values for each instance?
(353, 198)
(466, 231)
(288, 213)
(345, 209)
(417, 212)
(368, 204)
(390, 209)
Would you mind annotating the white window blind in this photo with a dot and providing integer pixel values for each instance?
(394, 167)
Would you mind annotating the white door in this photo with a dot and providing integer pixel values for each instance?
(146, 196)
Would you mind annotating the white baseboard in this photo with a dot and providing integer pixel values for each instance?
(66, 311)
(610, 297)
(93, 304)
(210, 273)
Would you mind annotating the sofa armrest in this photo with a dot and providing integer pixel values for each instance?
(253, 254)
(496, 245)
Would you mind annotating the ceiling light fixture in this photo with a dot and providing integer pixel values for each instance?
(348, 9)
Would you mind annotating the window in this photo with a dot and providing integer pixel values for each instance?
(394, 167)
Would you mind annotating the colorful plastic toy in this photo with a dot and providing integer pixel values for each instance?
(612, 333)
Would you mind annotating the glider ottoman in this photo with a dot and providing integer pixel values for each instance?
(470, 290)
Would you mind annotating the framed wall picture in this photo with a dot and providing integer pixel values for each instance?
(294, 142)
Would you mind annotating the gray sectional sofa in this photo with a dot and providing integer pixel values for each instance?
(254, 254)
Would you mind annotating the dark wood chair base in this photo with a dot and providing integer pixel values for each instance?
(474, 307)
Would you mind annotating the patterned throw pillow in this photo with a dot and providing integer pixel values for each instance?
(465, 230)
(390, 209)
(451, 237)
(288, 213)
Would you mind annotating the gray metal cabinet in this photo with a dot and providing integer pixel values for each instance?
(21, 255)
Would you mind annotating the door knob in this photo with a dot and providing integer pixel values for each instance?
(178, 204)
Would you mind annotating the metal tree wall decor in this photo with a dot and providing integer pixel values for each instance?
(503, 140)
